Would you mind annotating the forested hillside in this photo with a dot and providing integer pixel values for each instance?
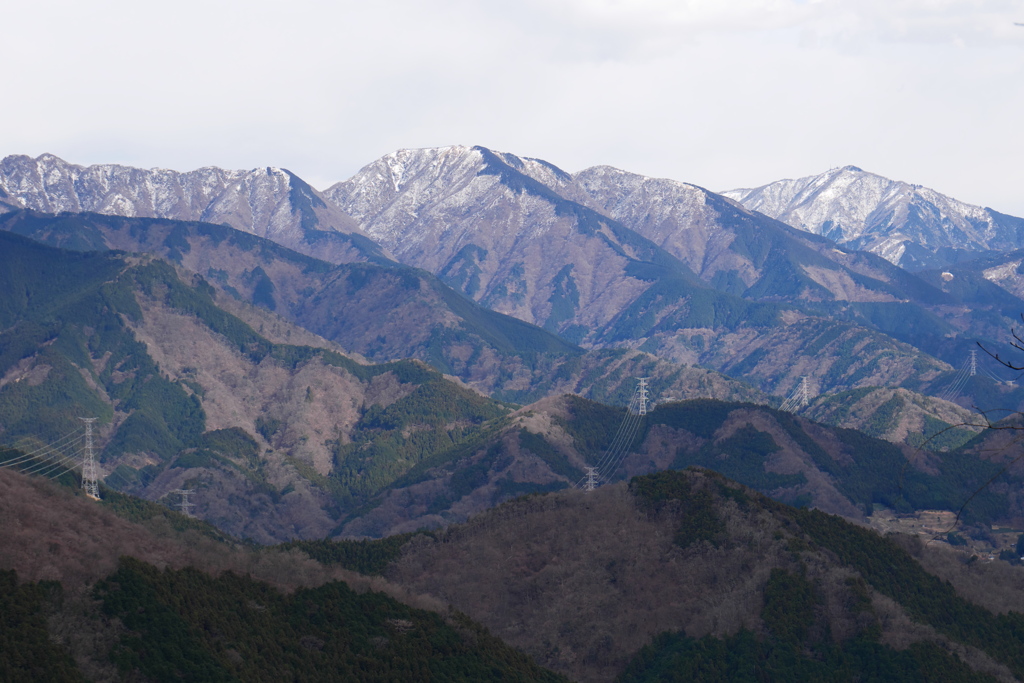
(188, 394)
(178, 606)
(380, 309)
(672, 576)
(549, 446)
(688, 576)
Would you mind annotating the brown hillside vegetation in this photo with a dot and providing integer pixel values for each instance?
(513, 458)
(581, 581)
(377, 312)
(899, 416)
(47, 532)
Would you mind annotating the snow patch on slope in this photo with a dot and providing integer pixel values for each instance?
(870, 212)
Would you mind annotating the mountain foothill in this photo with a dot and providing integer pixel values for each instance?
(384, 399)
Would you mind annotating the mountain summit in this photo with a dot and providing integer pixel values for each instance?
(909, 225)
(267, 202)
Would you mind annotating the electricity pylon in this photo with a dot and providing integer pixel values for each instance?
(642, 389)
(90, 472)
(184, 505)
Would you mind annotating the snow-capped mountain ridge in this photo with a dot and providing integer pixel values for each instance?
(269, 202)
(490, 224)
(606, 257)
(906, 224)
(603, 257)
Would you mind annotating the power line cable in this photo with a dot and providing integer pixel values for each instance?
(46, 447)
(620, 435)
(50, 444)
(623, 439)
(618, 438)
(958, 383)
(58, 468)
(38, 454)
(614, 465)
(46, 464)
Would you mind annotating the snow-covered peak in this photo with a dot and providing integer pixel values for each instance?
(871, 212)
(803, 201)
(434, 170)
(267, 201)
(419, 176)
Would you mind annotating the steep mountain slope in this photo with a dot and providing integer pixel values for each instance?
(267, 202)
(998, 448)
(483, 222)
(1002, 269)
(279, 439)
(605, 258)
(381, 311)
(526, 238)
(581, 581)
(909, 225)
(287, 441)
(898, 416)
(741, 252)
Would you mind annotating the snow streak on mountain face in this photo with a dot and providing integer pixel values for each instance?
(604, 258)
(268, 202)
(392, 196)
(908, 225)
(504, 230)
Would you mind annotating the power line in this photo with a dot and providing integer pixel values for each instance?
(967, 370)
(54, 459)
(31, 461)
(44, 464)
(34, 454)
(623, 439)
(40, 460)
(53, 468)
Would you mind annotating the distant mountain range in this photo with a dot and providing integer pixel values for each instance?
(603, 258)
(287, 436)
(268, 202)
(381, 311)
(284, 432)
(505, 275)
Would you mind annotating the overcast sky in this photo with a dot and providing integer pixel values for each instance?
(720, 93)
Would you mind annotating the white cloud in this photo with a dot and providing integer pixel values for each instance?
(718, 93)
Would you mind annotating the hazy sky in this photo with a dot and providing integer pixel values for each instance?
(721, 93)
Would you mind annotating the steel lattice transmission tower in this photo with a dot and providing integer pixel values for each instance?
(184, 505)
(592, 482)
(642, 390)
(800, 398)
(90, 472)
